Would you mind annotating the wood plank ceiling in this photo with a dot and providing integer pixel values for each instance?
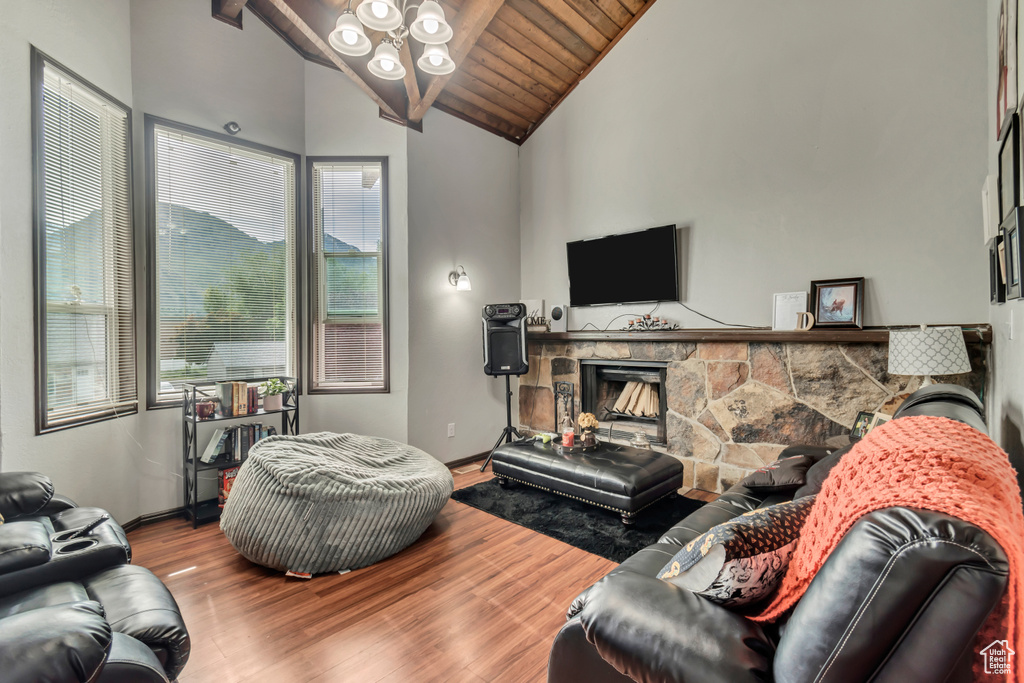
(516, 60)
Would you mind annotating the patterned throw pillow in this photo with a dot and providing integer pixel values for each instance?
(740, 561)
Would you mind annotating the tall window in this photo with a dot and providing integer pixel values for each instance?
(85, 343)
(348, 274)
(223, 241)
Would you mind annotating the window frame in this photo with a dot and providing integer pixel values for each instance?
(312, 286)
(152, 334)
(38, 62)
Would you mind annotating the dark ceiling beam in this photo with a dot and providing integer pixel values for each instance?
(412, 88)
(305, 22)
(470, 23)
(228, 11)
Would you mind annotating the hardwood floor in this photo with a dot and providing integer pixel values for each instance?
(475, 599)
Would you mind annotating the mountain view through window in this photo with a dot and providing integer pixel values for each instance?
(225, 255)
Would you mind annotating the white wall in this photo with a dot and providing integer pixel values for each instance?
(96, 464)
(1006, 388)
(195, 70)
(799, 140)
(342, 121)
(463, 210)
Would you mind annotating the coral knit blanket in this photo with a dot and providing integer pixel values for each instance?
(924, 462)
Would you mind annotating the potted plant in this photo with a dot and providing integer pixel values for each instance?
(272, 391)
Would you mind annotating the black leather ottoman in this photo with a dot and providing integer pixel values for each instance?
(618, 478)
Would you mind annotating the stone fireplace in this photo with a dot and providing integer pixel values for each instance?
(606, 387)
(727, 407)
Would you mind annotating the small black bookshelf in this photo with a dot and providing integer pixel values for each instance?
(193, 432)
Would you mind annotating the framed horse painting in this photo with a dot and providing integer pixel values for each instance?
(838, 303)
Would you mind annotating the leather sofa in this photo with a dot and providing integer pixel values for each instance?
(73, 608)
(900, 599)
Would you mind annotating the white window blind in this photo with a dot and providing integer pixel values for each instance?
(348, 273)
(85, 319)
(225, 256)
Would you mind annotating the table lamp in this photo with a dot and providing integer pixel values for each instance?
(928, 351)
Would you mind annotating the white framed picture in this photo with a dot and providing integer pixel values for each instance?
(786, 308)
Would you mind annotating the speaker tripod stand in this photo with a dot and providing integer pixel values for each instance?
(509, 430)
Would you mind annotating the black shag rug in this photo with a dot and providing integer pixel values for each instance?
(587, 527)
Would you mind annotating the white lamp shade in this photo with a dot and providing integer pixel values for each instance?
(386, 63)
(348, 36)
(464, 284)
(435, 60)
(430, 26)
(379, 15)
(928, 351)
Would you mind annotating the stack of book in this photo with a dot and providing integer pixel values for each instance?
(236, 398)
(234, 443)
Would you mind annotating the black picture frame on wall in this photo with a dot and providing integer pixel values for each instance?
(1010, 233)
(1009, 166)
(838, 303)
(996, 287)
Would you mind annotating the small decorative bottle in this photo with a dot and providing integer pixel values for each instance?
(640, 440)
(568, 434)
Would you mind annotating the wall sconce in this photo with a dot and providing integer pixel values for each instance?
(460, 281)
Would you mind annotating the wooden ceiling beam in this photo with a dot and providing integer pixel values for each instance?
(412, 88)
(468, 24)
(284, 7)
(228, 11)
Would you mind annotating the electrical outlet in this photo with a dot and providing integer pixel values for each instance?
(451, 429)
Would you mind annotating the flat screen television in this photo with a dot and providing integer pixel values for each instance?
(630, 267)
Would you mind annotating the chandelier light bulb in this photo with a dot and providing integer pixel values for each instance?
(436, 60)
(430, 27)
(348, 37)
(379, 15)
(386, 63)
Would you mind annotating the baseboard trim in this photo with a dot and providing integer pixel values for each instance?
(152, 518)
(465, 461)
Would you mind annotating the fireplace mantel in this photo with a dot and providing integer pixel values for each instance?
(973, 334)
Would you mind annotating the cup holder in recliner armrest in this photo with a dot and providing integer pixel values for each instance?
(63, 536)
(75, 546)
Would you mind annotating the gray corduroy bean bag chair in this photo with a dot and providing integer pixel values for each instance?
(326, 502)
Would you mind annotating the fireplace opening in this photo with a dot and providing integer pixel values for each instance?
(625, 397)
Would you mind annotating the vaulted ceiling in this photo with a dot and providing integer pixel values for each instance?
(516, 59)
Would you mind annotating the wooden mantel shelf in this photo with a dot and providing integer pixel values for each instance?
(973, 334)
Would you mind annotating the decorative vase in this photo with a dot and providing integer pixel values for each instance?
(272, 402)
(589, 438)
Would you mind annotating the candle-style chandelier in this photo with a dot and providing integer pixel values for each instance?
(429, 27)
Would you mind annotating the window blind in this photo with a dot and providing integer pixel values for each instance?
(85, 320)
(348, 274)
(225, 255)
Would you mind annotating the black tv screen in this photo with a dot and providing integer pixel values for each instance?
(627, 268)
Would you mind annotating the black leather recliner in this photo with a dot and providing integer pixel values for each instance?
(72, 608)
(900, 599)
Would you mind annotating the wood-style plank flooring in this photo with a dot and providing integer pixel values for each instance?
(476, 598)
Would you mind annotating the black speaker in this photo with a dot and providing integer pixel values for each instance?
(504, 340)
